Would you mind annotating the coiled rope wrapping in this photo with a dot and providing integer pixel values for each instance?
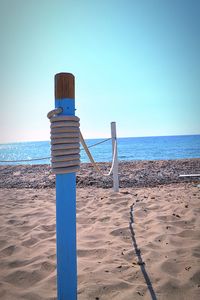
(65, 135)
(65, 147)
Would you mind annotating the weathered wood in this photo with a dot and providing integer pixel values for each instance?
(64, 86)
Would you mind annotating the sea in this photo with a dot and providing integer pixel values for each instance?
(129, 149)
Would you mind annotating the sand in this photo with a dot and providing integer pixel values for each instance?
(140, 243)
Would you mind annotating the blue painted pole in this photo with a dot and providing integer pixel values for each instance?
(66, 203)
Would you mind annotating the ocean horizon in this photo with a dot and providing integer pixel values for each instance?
(129, 148)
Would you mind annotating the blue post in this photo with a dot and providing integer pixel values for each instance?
(66, 203)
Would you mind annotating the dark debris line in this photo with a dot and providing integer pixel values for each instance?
(132, 174)
(141, 263)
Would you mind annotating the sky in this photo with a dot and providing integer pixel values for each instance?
(135, 62)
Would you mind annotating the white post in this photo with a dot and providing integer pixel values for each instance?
(115, 167)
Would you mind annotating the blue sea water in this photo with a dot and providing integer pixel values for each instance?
(140, 148)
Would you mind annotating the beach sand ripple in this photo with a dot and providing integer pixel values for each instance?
(140, 243)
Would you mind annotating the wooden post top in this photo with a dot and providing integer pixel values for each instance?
(64, 86)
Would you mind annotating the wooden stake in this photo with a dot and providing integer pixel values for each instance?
(66, 203)
(115, 167)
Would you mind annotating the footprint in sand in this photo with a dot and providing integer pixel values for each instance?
(190, 234)
(19, 263)
(45, 235)
(8, 250)
(121, 232)
(3, 243)
(47, 266)
(196, 278)
(29, 242)
(171, 267)
(23, 278)
(196, 252)
(100, 253)
(104, 220)
(51, 227)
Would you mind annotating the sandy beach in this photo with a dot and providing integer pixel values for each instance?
(140, 243)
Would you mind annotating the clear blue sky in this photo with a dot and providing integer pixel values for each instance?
(135, 62)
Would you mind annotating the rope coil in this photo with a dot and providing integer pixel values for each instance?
(65, 157)
(65, 138)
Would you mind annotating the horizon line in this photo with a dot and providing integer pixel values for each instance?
(101, 138)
